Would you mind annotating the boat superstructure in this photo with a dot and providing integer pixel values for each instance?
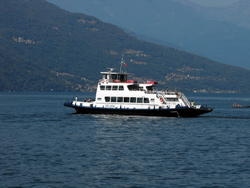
(118, 94)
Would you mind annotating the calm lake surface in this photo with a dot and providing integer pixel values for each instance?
(44, 144)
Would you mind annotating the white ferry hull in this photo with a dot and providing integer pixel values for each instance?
(117, 94)
(176, 112)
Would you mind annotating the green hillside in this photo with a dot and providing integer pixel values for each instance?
(45, 48)
(179, 22)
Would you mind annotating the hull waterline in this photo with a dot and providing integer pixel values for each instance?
(177, 112)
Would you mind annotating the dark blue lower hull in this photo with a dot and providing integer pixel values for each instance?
(177, 112)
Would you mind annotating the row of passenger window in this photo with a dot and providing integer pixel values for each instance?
(128, 99)
(115, 88)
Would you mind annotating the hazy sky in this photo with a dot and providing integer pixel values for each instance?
(214, 2)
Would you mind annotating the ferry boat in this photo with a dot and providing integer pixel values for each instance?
(117, 94)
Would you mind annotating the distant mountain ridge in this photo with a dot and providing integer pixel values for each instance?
(185, 24)
(45, 48)
(216, 3)
(237, 13)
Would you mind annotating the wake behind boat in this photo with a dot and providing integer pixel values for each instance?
(117, 94)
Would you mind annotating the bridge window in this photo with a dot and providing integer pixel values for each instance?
(133, 87)
(121, 88)
(120, 99)
(102, 87)
(133, 100)
(114, 87)
(139, 100)
(108, 88)
(126, 99)
(114, 76)
(149, 88)
(113, 99)
(123, 78)
(107, 99)
(146, 100)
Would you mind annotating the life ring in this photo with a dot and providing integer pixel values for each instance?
(161, 99)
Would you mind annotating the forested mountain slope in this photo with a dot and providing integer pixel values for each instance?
(45, 48)
(180, 22)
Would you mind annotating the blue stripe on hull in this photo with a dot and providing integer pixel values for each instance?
(178, 112)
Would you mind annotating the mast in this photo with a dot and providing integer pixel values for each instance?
(123, 64)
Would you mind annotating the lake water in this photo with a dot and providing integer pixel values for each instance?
(43, 144)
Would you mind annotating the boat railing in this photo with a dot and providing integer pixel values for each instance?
(185, 100)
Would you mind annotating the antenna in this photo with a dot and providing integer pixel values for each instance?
(122, 64)
(111, 69)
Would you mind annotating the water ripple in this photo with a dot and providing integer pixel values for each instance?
(51, 147)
